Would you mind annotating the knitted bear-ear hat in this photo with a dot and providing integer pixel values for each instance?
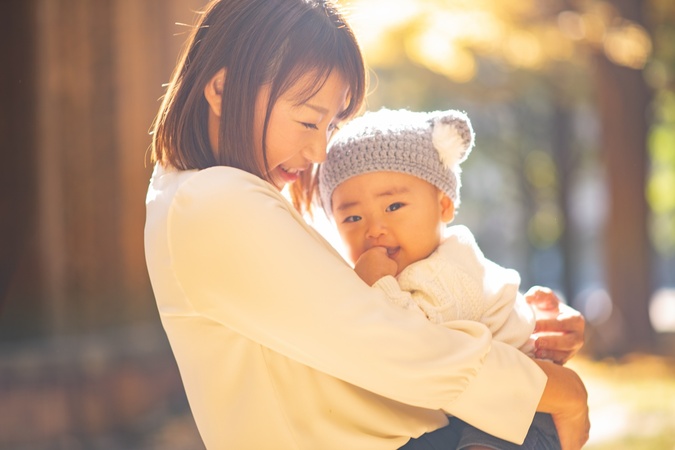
(428, 145)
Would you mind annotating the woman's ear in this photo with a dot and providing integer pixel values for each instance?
(213, 92)
(447, 208)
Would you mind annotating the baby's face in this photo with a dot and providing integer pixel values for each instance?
(399, 212)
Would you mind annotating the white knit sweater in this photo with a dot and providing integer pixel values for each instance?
(457, 282)
(280, 345)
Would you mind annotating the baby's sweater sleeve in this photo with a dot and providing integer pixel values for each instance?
(457, 282)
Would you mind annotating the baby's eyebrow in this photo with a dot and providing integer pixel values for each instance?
(388, 192)
(393, 191)
(346, 205)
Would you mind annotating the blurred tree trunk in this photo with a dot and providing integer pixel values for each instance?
(565, 160)
(17, 138)
(623, 101)
(78, 93)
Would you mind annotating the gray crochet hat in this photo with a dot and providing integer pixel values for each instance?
(428, 145)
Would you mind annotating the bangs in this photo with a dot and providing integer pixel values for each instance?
(310, 50)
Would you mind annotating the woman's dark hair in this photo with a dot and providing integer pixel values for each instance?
(259, 42)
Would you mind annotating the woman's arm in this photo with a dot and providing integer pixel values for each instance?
(565, 398)
(246, 260)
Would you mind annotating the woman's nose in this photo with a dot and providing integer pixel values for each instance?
(316, 152)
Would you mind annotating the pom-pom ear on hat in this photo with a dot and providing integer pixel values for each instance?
(452, 137)
(430, 146)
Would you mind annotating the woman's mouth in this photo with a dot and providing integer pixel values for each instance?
(289, 175)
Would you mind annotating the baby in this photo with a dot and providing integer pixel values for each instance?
(391, 183)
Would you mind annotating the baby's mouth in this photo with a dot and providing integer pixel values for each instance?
(392, 251)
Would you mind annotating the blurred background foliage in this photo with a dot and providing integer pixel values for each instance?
(540, 81)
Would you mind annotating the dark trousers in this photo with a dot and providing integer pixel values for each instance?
(446, 438)
(458, 435)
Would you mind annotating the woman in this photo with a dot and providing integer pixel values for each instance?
(279, 344)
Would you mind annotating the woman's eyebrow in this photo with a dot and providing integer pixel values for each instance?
(317, 108)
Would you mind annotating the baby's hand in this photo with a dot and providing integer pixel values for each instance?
(374, 264)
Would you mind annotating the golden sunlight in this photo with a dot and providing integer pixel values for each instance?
(450, 38)
(372, 19)
(441, 55)
(628, 45)
(438, 36)
(523, 49)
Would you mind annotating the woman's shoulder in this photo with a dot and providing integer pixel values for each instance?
(224, 178)
(166, 178)
(222, 184)
(212, 194)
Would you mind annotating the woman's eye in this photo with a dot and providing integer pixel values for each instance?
(333, 128)
(394, 206)
(309, 126)
(352, 219)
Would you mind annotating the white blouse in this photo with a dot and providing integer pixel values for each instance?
(281, 346)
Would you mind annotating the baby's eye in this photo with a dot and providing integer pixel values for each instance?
(352, 219)
(309, 126)
(394, 206)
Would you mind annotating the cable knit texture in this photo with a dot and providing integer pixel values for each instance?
(457, 282)
(428, 145)
(238, 301)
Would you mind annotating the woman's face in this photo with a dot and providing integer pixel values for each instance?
(297, 134)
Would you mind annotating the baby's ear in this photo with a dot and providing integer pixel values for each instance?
(452, 137)
(447, 208)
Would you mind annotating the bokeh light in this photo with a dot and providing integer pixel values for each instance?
(662, 310)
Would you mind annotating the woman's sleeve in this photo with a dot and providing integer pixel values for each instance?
(248, 262)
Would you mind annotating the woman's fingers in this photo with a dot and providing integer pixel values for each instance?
(544, 301)
(568, 321)
(561, 338)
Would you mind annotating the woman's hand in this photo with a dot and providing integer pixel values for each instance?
(559, 330)
(374, 264)
(566, 399)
